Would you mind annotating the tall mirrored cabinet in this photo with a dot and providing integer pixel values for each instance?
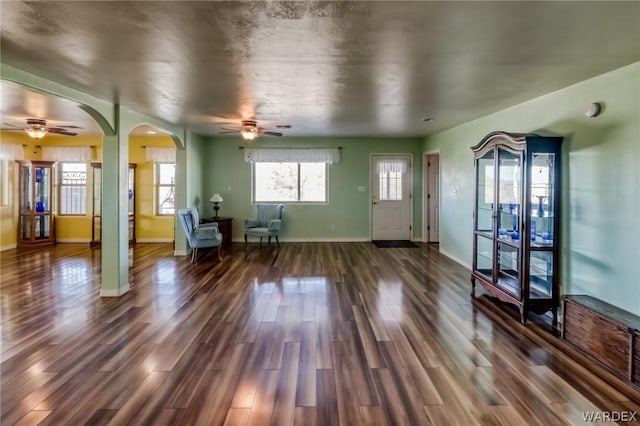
(517, 220)
(36, 221)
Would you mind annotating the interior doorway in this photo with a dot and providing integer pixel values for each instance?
(431, 197)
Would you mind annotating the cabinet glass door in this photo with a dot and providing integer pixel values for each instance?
(540, 274)
(542, 190)
(509, 268)
(485, 194)
(541, 267)
(42, 197)
(484, 256)
(509, 195)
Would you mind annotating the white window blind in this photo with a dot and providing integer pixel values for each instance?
(11, 152)
(292, 155)
(392, 166)
(75, 154)
(161, 155)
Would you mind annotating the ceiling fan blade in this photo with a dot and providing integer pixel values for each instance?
(13, 125)
(230, 128)
(12, 128)
(264, 132)
(224, 133)
(70, 126)
(59, 131)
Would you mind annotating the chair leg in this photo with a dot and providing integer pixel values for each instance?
(278, 242)
(219, 255)
(194, 255)
(245, 238)
(260, 241)
(269, 239)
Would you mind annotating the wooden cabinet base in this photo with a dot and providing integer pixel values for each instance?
(605, 333)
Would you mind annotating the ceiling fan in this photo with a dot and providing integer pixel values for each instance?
(37, 128)
(250, 130)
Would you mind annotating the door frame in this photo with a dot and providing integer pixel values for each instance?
(411, 190)
(425, 192)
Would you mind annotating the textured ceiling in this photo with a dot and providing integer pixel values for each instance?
(325, 68)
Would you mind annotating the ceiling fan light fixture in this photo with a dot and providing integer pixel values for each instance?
(36, 132)
(248, 135)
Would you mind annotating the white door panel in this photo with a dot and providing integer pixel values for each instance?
(391, 199)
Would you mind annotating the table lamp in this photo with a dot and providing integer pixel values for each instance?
(215, 200)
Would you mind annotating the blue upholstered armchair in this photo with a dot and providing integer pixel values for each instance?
(267, 224)
(197, 235)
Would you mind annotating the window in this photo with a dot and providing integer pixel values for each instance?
(290, 182)
(391, 186)
(73, 188)
(165, 188)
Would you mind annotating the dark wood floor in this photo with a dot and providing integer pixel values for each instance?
(326, 334)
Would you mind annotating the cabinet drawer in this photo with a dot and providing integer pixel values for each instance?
(597, 335)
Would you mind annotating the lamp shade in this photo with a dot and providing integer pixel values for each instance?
(216, 198)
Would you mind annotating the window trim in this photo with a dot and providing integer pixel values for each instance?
(296, 202)
(59, 185)
(157, 185)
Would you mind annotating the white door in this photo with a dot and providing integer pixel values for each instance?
(391, 197)
(433, 197)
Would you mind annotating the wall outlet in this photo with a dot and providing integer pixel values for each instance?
(360, 188)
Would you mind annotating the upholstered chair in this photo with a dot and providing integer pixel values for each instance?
(197, 235)
(267, 224)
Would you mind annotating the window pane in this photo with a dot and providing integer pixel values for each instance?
(73, 188)
(313, 182)
(165, 200)
(391, 186)
(166, 173)
(275, 182)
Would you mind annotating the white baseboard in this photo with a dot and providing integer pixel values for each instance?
(114, 292)
(181, 252)
(307, 240)
(455, 259)
(154, 240)
(73, 240)
(8, 247)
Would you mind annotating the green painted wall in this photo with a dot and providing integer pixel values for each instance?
(195, 171)
(347, 209)
(601, 182)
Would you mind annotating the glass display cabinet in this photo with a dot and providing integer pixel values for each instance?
(517, 220)
(36, 222)
(96, 216)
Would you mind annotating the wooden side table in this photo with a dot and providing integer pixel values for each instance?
(224, 226)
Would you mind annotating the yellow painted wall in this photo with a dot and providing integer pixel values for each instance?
(67, 228)
(149, 227)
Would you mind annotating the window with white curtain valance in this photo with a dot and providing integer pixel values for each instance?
(69, 154)
(161, 155)
(292, 155)
(392, 166)
(11, 152)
